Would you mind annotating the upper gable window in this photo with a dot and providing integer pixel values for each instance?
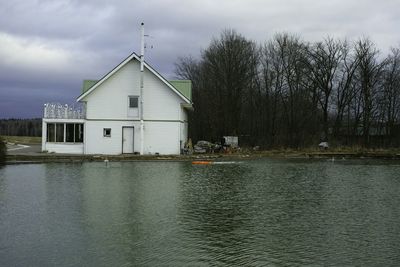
(133, 102)
(133, 106)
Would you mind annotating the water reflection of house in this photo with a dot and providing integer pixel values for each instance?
(108, 121)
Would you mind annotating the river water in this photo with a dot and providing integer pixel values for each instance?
(265, 212)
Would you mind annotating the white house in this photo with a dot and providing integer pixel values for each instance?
(109, 119)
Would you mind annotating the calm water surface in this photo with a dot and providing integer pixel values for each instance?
(253, 213)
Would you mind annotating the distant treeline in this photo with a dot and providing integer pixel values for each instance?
(21, 127)
(290, 93)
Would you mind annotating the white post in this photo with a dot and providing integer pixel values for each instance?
(44, 135)
(141, 89)
(45, 111)
(44, 128)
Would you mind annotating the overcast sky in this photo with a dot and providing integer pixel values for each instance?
(47, 47)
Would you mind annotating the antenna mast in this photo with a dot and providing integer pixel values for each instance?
(141, 88)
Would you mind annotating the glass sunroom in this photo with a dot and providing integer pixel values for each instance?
(63, 129)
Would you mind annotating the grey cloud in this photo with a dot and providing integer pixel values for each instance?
(78, 39)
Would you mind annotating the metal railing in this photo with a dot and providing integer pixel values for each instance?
(60, 111)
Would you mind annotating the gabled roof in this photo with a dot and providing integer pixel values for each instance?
(123, 63)
(87, 84)
(183, 86)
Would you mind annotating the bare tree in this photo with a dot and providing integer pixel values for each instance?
(391, 93)
(225, 75)
(288, 92)
(190, 69)
(323, 64)
(230, 65)
(369, 75)
(271, 88)
(296, 88)
(344, 91)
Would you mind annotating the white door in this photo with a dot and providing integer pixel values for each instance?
(127, 140)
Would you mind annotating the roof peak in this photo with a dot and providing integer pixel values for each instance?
(185, 90)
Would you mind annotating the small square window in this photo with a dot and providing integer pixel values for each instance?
(133, 102)
(107, 132)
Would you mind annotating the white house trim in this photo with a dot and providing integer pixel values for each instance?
(123, 63)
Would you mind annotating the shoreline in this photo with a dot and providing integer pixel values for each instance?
(278, 154)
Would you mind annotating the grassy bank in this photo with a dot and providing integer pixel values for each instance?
(22, 139)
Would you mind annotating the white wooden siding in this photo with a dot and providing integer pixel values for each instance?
(64, 148)
(184, 127)
(160, 102)
(96, 143)
(162, 138)
(110, 99)
(159, 137)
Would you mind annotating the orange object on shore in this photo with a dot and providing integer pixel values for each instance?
(202, 162)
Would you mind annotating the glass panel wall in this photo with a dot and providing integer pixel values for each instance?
(73, 132)
(51, 132)
(69, 132)
(59, 132)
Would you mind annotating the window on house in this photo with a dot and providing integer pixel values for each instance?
(51, 132)
(60, 132)
(133, 106)
(69, 132)
(133, 102)
(73, 132)
(107, 132)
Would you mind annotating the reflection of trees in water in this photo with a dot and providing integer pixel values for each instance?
(262, 212)
(291, 202)
(320, 212)
(213, 211)
(259, 212)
